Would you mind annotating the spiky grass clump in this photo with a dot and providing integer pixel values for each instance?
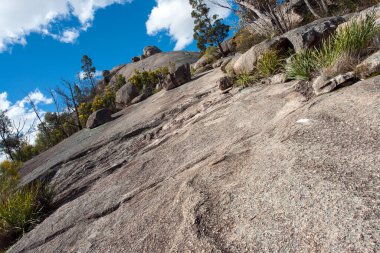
(301, 65)
(351, 40)
(246, 79)
(269, 63)
(21, 208)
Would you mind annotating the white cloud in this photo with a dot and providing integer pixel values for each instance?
(98, 74)
(69, 36)
(19, 18)
(20, 112)
(174, 16)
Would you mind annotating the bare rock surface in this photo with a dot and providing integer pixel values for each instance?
(193, 170)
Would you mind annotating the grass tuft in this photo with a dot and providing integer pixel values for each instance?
(351, 40)
(246, 79)
(269, 63)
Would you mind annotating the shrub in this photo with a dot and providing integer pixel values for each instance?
(269, 63)
(246, 79)
(24, 208)
(211, 54)
(146, 80)
(244, 40)
(20, 208)
(119, 82)
(107, 100)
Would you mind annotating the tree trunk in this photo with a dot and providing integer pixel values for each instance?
(221, 49)
(311, 9)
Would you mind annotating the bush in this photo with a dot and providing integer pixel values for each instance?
(244, 80)
(119, 82)
(211, 54)
(147, 80)
(20, 208)
(269, 63)
(351, 40)
(24, 208)
(244, 40)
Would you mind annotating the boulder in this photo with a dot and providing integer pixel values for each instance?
(203, 69)
(369, 67)
(135, 59)
(203, 61)
(323, 85)
(99, 118)
(246, 63)
(125, 95)
(227, 65)
(142, 96)
(169, 82)
(228, 46)
(312, 35)
(180, 76)
(226, 82)
(183, 74)
(151, 50)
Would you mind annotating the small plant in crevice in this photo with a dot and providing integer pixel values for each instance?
(246, 79)
(301, 65)
(269, 63)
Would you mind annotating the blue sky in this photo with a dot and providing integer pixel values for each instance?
(43, 41)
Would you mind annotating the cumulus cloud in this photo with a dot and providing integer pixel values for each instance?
(19, 18)
(174, 17)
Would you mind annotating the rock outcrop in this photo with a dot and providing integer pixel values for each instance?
(99, 118)
(194, 170)
(125, 95)
(153, 62)
(369, 66)
(312, 35)
(151, 50)
(179, 77)
(246, 63)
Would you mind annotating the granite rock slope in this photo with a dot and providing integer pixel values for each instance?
(195, 170)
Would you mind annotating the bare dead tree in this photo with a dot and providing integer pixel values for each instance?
(59, 122)
(70, 99)
(42, 123)
(266, 18)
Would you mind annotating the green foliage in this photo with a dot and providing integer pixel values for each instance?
(246, 79)
(20, 208)
(147, 80)
(244, 40)
(208, 31)
(301, 65)
(119, 82)
(88, 70)
(350, 40)
(85, 109)
(269, 63)
(211, 54)
(107, 100)
(23, 208)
